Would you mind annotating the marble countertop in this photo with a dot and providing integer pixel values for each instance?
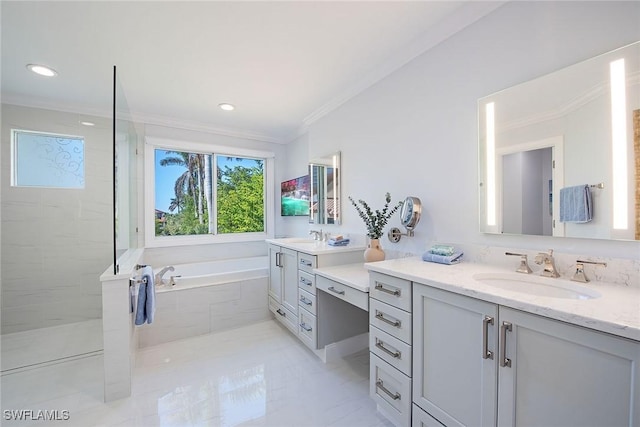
(353, 275)
(314, 247)
(616, 311)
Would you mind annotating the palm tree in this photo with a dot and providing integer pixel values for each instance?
(190, 180)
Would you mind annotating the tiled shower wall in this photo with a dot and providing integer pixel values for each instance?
(55, 242)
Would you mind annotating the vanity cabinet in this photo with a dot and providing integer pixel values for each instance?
(390, 345)
(283, 286)
(480, 364)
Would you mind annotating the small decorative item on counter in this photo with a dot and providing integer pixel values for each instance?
(442, 254)
(338, 240)
(375, 223)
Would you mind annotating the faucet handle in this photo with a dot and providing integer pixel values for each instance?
(524, 265)
(579, 275)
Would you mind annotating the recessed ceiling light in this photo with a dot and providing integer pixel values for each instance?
(227, 107)
(42, 70)
(87, 123)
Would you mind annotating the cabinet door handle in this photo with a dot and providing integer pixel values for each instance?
(306, 263)
(305, 327)
(305, 301)
(381, 288)
(394, 354)
(486, 353)
(395, 323)
(281, 313)
(380, 385)
(506, 327)
(278, 260)
(332, 289)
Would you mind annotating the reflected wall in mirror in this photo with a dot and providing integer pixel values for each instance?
(324, 173)
(574, 127)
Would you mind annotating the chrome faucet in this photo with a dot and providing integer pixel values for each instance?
(549, 269)
(524, 265)
(579, 275)
(159, 274)
(317, 235)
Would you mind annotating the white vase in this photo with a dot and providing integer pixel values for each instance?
(373, 252)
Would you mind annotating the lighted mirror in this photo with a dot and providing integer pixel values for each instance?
(570, 132)
(324, 174)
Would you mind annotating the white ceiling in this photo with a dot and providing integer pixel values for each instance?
(283, 64)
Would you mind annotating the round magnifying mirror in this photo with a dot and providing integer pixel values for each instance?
(410, 212)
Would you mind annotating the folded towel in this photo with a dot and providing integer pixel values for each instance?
(442, 250)
(341, 242)
(575, 204)
(146, 304)
(442, 259)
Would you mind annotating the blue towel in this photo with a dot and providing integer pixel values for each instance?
(442, 259)
(341, 242)
(146, 305)
(575, 204)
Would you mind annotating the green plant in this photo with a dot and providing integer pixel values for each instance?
(375, 221)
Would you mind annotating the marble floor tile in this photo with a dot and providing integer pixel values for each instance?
(258, 375)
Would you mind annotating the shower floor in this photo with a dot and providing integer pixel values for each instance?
(40, 347)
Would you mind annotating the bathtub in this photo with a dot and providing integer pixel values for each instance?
(208, 297)
(211, 273)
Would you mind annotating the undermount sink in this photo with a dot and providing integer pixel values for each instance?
(537, 285)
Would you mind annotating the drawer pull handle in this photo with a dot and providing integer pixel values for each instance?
(380, 345)
(506, 327)
(281, 313)
(486, 353)
(332, 289)
(305, 301)
(395, 323)
(305, 327)
(380, 385)
(306, 263)
(381, 288)
(305, 281)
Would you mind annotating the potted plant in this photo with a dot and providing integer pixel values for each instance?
(375, 222)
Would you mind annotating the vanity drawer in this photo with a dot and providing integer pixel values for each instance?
(307, 301)
(307, 329)
(391, 390)
(307, 262)
(393, 351)
(346, 293)
(390, 319)
(391, 290)
(284, 316)
(307, 281)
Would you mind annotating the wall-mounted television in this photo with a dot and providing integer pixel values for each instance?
(294, 196)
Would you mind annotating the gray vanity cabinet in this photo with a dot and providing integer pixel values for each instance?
(283, 286)
(479, 364)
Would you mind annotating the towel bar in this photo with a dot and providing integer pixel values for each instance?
(599, 185)
(135, 280)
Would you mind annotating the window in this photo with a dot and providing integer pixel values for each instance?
(46, 160)
(200, 196)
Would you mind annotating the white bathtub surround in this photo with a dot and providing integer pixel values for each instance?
(196, 310)
(616, 311)
(33, 348)
(254, 375)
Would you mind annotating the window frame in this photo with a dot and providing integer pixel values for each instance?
(14, 159)
(154, 143)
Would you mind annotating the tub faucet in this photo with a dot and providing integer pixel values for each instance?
(549, 269)
(159, 274)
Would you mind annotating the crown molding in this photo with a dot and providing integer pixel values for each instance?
(146, 119)
(463, 17)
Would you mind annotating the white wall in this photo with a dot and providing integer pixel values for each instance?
(55, 242)
(415, 132)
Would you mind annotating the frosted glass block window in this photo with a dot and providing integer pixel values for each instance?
(47, 160)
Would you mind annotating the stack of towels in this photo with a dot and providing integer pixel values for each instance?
(442, 254)
(338, 240)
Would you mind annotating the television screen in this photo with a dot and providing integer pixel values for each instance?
(294, 197)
